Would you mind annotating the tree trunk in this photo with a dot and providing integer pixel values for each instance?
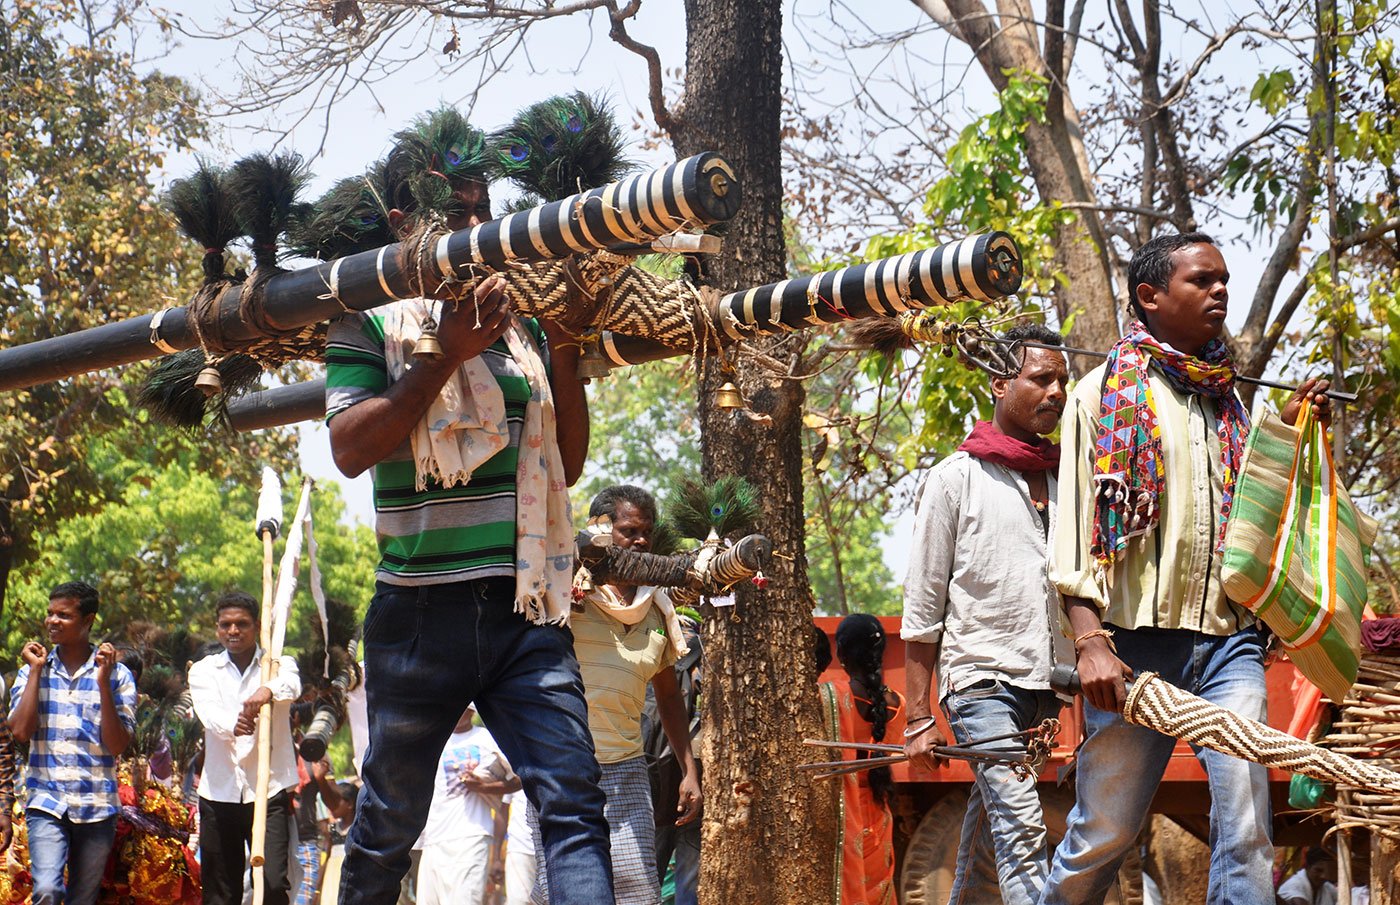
(1058, 162)
(769, 833)
(7, 550)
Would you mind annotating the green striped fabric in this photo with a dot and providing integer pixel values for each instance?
(435, 535)
(1297, 549)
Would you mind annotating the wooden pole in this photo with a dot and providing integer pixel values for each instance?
(268, 525)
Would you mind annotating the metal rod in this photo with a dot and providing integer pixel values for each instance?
(1339, 395)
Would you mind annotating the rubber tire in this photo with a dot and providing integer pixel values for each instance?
(930, 859)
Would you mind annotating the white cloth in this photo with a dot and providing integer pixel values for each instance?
(518, 837)
(218, 691)
(457, 813)
(454, 873)
(1299, 888)
(466, 425)
(357, 713)
(520, 876)
(977, 583)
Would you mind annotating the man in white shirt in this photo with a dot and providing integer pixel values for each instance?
(520, 852)
(1311, 885)
(470, 780)
(227, 691)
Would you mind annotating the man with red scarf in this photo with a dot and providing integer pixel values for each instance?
(978, 605)
(1153, 442)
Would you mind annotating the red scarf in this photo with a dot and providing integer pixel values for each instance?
(988, 443)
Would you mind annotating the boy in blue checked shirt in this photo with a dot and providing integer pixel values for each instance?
(76, 707)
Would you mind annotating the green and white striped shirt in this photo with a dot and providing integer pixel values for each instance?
(435, 535)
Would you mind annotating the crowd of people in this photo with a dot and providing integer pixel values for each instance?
(583, 758)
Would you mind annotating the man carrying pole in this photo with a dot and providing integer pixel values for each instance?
(472, 444)
(1152, 445)
(228, 691)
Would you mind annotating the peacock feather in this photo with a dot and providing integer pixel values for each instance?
(665, 539)
(169, 393)
(201, 205)
(264, 190)
(431, 159)
(727, 507)
(349, 218)
(562, 145)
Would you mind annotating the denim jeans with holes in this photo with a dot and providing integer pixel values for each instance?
(430, 651)
(1120, 766)
(1003, 818)
(56, 842)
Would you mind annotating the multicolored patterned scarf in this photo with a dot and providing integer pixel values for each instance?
(1128, 469)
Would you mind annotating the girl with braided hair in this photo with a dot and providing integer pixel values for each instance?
(860, 708)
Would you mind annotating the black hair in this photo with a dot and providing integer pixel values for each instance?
(236, 600)
(1035, 333)
(860, 643)
(207, 649)
(1315, 855)
(132, 660)
(81, 591)
(1152, 263)
(605, 503)
(821, 648)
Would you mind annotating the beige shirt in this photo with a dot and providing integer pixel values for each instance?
(617, 661)
(1169, 577)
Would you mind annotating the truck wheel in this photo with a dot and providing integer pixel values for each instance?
(930, 860)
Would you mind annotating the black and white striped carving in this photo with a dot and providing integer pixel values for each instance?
(983, 267)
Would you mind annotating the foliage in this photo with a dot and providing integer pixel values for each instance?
(85, 243)
(176, 537)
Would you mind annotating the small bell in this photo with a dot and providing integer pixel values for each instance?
(728, 396)
(427, 345)
(591, 364)
(209, 382)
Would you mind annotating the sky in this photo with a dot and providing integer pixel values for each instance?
(565, 56)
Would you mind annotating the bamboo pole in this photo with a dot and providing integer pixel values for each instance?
(268, 525)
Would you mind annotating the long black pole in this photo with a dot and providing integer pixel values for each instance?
(691, 193)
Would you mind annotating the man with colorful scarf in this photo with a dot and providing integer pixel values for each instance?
(1153, 442)
(978, 606)
(472, 453)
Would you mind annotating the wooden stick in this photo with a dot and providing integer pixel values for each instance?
(267, 667)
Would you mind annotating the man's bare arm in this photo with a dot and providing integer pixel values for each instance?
(1101, 674)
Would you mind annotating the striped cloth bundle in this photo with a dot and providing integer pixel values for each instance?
(1296, 550)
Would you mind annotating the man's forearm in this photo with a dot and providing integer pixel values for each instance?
(920, 661)
(1083, 615)
(570, 402)
(369, 432)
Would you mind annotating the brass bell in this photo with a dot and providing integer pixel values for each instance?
(592, 364)
(729, 397)
(209, 382)
(427, 345)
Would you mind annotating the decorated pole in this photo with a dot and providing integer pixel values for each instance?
(984, 267)
(689, 194)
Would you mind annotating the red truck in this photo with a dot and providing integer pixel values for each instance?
(929, 805)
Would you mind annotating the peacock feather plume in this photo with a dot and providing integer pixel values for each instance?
(186, 735)
(727, 507)
(170, 395)
(665, 539)
(562, 145)
(349, 218)
(264, 190)
(431, 159)
(202, 207)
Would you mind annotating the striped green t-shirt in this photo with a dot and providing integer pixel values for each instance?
(435, 535)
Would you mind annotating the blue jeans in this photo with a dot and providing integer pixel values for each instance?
(429, 651)
(1003, 811)
(56, 842)
(1120, 766)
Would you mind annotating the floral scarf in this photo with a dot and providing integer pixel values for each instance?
(1129, 473)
